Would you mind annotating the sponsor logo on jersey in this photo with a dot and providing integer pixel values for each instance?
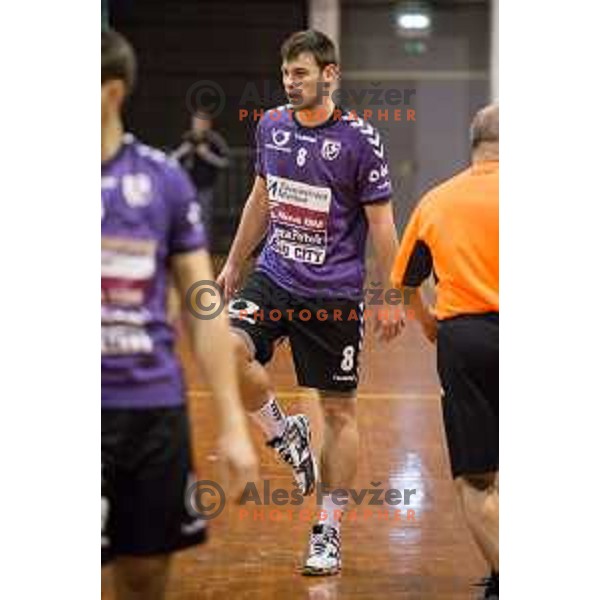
(128, 267)
(330, 149)
(137, 189)
(299, 215)
(280, 137)
(313, 197)
(305, 138)
(377, 174)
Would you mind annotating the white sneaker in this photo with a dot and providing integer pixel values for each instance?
(294, 448)
(324, 551)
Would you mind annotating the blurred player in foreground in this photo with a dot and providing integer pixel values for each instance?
(150, 228)
(453, 233)
(322, 184)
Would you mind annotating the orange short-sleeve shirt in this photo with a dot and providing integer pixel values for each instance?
(454, 232)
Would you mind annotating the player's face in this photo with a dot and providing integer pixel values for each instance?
(305, 84)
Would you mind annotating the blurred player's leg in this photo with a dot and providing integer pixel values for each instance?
(141, 578)
(339, 460)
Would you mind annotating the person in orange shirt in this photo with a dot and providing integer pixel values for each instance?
(453, 233)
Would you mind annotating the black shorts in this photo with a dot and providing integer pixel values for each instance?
(146, 469)
(325, 335)
(467, 350)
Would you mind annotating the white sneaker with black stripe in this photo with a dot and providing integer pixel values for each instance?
(324, 551)
(293, 448)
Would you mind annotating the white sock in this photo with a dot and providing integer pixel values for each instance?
(330, 513)
(271, 419)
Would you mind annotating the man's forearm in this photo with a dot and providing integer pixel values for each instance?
(385, 246)
(385, 240)
(212, 347)
(183, 150)
(210, 339)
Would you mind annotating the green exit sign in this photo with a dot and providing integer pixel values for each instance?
(415, 47)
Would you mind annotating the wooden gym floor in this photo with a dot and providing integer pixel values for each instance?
(401, 446)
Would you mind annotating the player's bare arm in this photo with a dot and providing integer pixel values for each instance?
(212, 347)
(252, 229)
(382, 229)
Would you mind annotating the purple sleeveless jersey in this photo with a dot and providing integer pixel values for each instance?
(318, 179)
(149, 212)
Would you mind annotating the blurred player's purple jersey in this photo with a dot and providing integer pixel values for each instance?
(318, 179)
(149, 213)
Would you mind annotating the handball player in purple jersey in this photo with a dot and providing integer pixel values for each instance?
(151, 229)
(322, 184)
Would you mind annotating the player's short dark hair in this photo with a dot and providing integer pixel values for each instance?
(118, 59)
(313, 41)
